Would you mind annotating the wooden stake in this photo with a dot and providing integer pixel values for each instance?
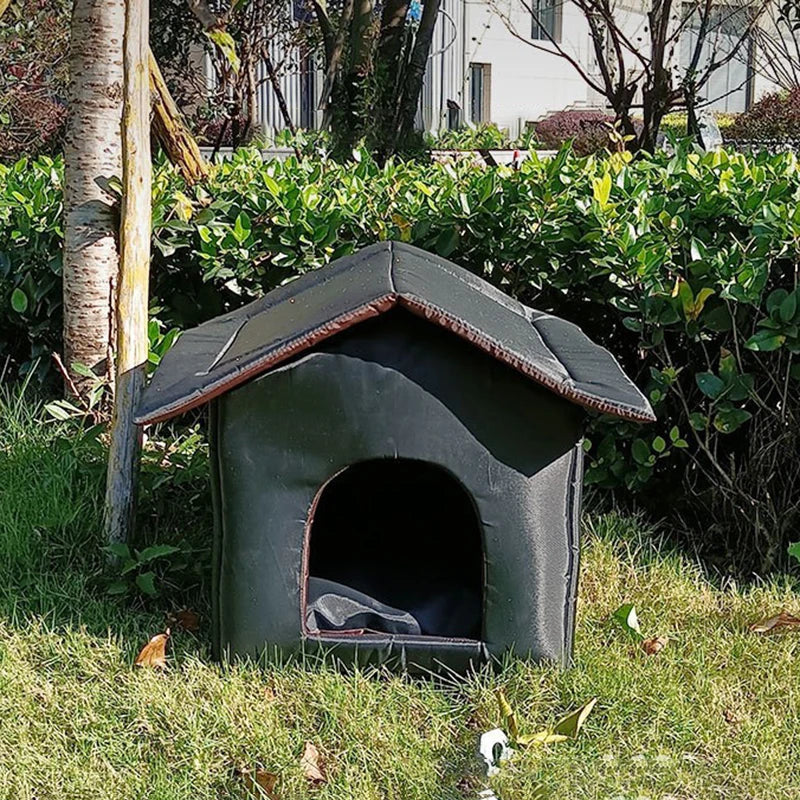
(132, 286)
(173, 134)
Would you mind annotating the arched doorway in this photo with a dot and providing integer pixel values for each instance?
(395, 546)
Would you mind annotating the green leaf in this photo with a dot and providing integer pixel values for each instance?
(794, 550)
(447, 241)
(728, 420)
(62, 410)
(273, 187)
(632, 324)
(117, 587)
(601, 189)
(640, 451)
(659, 445)
(571, 725)
(775, 300)
(765, 341)
(788, 307)
(146, 583)
(19, 301)
(727, 365)
(698, 421)
(709, 384)
(718, 319)
(82, 370)
(224, 41)
(129, 565)
(241, 228)
(626, 616)
(119, 550)
(157, 551)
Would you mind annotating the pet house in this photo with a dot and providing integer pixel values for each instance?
(396, 463)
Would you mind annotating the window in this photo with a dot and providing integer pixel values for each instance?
(480, 92)
(546, 19)
(729, 87)
(308, 93)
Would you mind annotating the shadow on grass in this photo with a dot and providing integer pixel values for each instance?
(52, 564)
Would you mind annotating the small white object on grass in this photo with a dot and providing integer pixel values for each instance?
(493, 748)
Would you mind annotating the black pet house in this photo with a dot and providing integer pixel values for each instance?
(396, 463)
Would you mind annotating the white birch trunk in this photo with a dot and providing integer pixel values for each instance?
(92, 155)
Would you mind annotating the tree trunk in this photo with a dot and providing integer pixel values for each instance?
(415, 75)
(92, 156)
(132, 294)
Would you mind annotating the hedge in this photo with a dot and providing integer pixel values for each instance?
(684, 265)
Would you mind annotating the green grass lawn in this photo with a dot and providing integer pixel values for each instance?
(715, 715)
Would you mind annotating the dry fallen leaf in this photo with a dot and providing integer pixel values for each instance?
(567, 727)
(654, 645)
(312, 765)
(154, 653)
(542, 737)
(187, 620)
(507, 712)
(781, 622)
(260, 783)
(730, 717)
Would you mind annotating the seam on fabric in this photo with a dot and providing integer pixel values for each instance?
(392, 282)
(274, 357)
(573, 549)
(462, 279)
(219, 522)
(306, 549)
(224, 349)
(550, 350)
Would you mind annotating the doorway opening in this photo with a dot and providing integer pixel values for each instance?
(395, 546)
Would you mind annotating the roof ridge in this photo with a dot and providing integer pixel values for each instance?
(325, 302)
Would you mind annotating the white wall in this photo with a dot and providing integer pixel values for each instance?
(526, 83)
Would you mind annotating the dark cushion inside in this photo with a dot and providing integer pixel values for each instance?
(335, 607)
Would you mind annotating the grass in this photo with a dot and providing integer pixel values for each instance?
(714, 715)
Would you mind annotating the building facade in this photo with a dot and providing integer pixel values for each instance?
(494, 61)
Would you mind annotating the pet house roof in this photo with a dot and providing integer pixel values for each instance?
(220, 354)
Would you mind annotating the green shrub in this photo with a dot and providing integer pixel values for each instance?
(478, 137)
(675, 123)
(683, 265)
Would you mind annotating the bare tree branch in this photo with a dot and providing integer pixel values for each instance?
(207, 18)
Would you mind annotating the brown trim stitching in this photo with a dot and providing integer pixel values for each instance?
(493, 348)
(352, 632)
(372, 309)
(306, 552)
(297, 345)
